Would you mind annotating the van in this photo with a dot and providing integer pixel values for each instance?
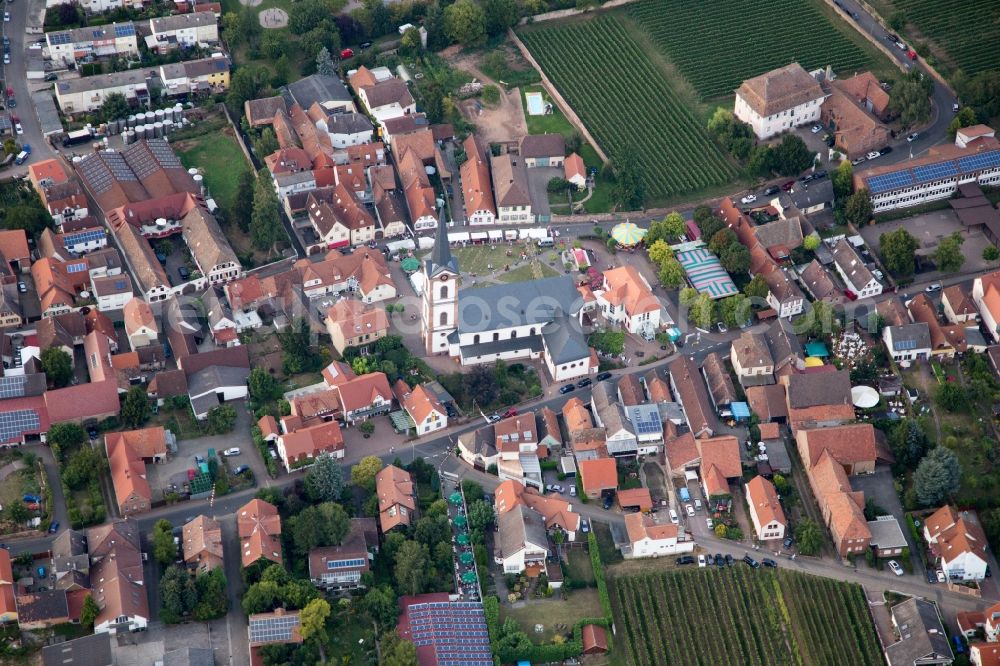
(673, 517)
(548, 241)
(697, 505)
(21, 156)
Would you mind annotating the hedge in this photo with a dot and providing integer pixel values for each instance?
(602, 584)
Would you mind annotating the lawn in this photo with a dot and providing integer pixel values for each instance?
(221, 160)
(553, 123)
(579, 565)
(606, 544)
(580, 604)
(536, 270)
(756, 617)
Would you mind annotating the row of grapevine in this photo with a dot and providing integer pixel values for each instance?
(735, 616)
(948, 23)
(628, 105)
(717, 45)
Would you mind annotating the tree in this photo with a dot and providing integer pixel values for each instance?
(500, 15)
(897, 249)
(397, 651)
(966, 117)
(32, 219)
(909, 443)
(260, 597)
(628, 190)
(722, 239)
(412, 560)
(811, 242)
(265, 222)
(114, 107)
(410, 43)
(324, 63)
(57, 365)
(792, 156)
(380, 604)
(951, 396)
(363, 474)
(177, 592)
(481, 514)
(379, 22)
(735, 310)
(910, 100)
(756, 288)
(736, 259)
(213, 599)
(709, 225)
(669, 228)
(558, 185)
(89, 612)
(671, 273)
(312, 623)
(221, 419)
(324, 481)
(246, 83)
(481, 385)
(948, 255)
(702, 311)
(242, 207)
(808, 537)
(304, 15)
(263, 387)
(991, 253)
(843, 179)
(63, 438)
(164, 548)
(135, 407)
(937, 477)
(858, 207)
(981, 92)
(761, 160)
(659, 252)
(434, 23)
(17, 513)
(296, 352)
(465, 23)
(264, 145)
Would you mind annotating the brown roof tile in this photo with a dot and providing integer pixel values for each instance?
(780, 89)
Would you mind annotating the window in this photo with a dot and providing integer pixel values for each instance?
(513, 334)
(475, 339)
(444, 319)
(496, 337)
(444, 291)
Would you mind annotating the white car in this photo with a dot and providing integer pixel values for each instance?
(913, 137)
(673, 517)
(690, 510)
(878, 274)
(874, 155)
(6, 17)
(572, 491)
(709, 524)
(235, 451)
(857, 161)
(701, 562)
(941, 578)
(816, 129)
(18, 128)
(931, 288)
(6, 58)
(896, 569)
(750, 198)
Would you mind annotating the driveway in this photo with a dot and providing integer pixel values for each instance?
(880, 489)
(538, 181)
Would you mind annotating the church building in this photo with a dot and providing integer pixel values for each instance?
(538, 319)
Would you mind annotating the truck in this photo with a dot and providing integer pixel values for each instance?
(77, 137)
(684, 495)
(21, 156)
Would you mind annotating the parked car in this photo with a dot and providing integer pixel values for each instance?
(709, 523)
(787, 543)
(690, 510)
(896, 569)
(608, 501)
(199, 459)
(21, 287)
(878, 274)
(873, 155)
(572, 491)
(584, 525)
(492, 418)
(697, 505)
(931, 576)
(959, 645)
(885, 151)
(6, 17)
(729, 560)
(954, 107)
(51, 77)
(32, 499)
(931, 288)
(851, 296)
(816, 129)
(234, 451)
(685, 559)
(857, 161)
(719, 560)
(365, 45)
(913, 137)
(602, 376)
(584, 383)
(702, 562)
(509, 413)
(183, 272)
(241, 469)
(722, 327)
(748, 199)
(768, 562)
(940, 576)
(346, 53)
(774, 189)
(569, 388)
(819, 175)
(54, 527)
(788, 186)
(754, 564)
(674, 518)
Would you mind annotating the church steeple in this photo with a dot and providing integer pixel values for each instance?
(441, 258)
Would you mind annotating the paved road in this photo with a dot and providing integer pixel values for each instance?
(15, 76)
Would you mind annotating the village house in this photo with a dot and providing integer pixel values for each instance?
(542, 150)
(765, 510)
(302, 446)
(352, 323)
(626, 299)
(259, 528)
(116, 574)
(338, 218)
(716, 460)
(909, 342)
(477, 190)
(688, 388)
(510, 186)
(339, 568)
(958, 541)
(556, 512)
(647, 538)
(522, 540)
(779, 100)
(819, 399)
(397, 501)
(201, 544)
(922, 638)
(128, 453)
(853, 272)
(422, 406)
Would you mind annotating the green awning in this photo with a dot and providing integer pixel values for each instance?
(461, 521)
(401, 420)
(463, 539)
(469, 577)
(455, 498)
(466, 558)
(410, 265)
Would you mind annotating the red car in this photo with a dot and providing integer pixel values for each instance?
(912, 54)
(10, 92)
(509, 413)
(347, 53)
(851, 296)
(788, 186)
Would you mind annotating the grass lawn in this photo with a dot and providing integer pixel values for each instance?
(579, 565)
(536, 270)
(554, 123)
(606, 544)
(345, 648)
(221, 160)
(551, 612)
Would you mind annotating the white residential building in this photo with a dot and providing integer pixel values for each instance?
(86, 94)
(627, 301)
(765, 510)
(986, 294)
(184, 30)
(649, 539)
(853, 272)
(779, 100)
(958, 540)
(909, 342)
(521, 540)
(69, 46)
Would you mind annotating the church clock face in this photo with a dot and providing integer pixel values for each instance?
(444, 278)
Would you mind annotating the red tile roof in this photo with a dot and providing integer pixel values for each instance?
(259, 525)
(556, 512)
(598, 475)
(639, 497)
(395, 489)
(310, 442)
(848, 444)
(764, 498)
(640, 526)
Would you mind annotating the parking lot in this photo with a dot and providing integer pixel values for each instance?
(929, 229)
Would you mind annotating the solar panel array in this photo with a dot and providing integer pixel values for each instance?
(904, 345)
(647, 422)
(907, 176)
(12, 387)
(60, 38)
(457, 630)
(273, 629)
(83, 237)
(124, 30)
(344, 564)
(76, 267)
(14, 424)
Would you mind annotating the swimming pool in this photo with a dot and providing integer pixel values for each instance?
(536, 104)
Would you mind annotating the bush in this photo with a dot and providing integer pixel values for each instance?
(991, 253)
(491, 95)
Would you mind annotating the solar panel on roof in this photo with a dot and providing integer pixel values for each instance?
(272, 629)
(979, 161)
(12, 387)
(83, 237)
(124, 30)
(889, 181)
(924, 174)
(14, 424)
(59, 38)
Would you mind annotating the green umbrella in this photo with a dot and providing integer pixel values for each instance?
(463, 539)
(410, 265)
(466, 558)
(461, 521)
(455, 498)
(628, 234)
(469, 577)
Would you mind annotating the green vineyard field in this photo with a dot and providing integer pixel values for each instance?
(742, 616)
(628, 105)
(947, 23)
(716, 45)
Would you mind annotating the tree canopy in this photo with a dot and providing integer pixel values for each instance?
(57, 365)
(937, 477)
(948, 255)
(897, 249)
(465, 23)
(324, 481)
